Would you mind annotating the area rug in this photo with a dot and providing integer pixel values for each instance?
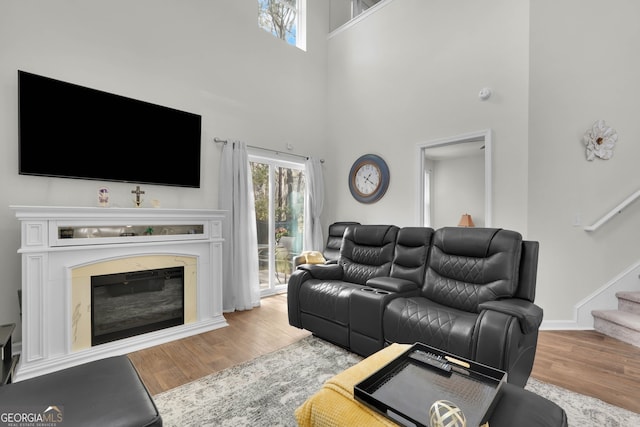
(267, 390)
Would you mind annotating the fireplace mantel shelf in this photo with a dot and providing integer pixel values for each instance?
(58, 240)
(73, 212)
(81, 226)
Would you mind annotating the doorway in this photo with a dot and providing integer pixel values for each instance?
(455, 179)
(279, 191)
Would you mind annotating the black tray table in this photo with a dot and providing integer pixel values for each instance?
(405, 388)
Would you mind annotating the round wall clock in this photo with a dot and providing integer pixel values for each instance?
(368, 178)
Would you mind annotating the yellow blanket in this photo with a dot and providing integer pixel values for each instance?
(334, 405)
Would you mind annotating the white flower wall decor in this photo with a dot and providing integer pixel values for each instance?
(600, 141)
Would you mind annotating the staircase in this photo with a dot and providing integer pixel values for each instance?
(623, 323)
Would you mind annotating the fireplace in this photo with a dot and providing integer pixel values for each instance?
(131, 281)
(162, 267)
(128, 304)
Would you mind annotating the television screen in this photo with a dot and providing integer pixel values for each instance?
(71, 131)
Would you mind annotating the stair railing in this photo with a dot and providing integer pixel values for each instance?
(613, 212)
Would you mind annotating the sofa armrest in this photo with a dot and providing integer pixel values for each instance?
(323, 271)
(528, 314)
(392, 284)
(299, 260)
(297, 278)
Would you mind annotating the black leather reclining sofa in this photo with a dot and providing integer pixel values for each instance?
(469, 291)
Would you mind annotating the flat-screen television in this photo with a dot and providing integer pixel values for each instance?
(71, 131)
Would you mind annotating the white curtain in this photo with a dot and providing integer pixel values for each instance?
(241, 286)
(313, 239)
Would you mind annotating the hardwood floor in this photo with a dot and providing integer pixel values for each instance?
(590, 363)
(586, 362)
(250, 334)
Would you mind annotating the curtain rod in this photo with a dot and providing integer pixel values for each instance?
(224, 141)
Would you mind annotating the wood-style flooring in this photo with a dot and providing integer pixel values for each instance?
(590, 363)
(586, 362)
(250, 334)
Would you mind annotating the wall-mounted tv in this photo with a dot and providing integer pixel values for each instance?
(71, 131)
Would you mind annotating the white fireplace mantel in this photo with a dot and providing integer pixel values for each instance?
(56, 240)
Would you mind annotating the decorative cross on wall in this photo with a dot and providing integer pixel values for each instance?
(137, 192)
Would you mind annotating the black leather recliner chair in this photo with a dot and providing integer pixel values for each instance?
(331, 252)
(334, 240)
(477, 300)
(318, 294)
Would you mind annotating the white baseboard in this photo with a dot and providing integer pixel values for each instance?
(562, 325)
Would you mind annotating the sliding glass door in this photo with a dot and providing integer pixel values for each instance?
(279, 191)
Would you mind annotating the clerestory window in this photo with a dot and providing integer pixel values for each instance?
(359, 6)
(285, 19)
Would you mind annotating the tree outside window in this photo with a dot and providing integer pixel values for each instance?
(279, 193)
(284, 19)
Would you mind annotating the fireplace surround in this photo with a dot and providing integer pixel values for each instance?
(62, 248)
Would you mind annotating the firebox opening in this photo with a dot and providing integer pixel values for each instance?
(128, 304)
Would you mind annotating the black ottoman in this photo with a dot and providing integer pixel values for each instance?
(106, 392)
(522, 408)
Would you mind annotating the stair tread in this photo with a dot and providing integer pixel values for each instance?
(633, 296)
(622, 318)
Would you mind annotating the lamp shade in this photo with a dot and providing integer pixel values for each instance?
(466, 221)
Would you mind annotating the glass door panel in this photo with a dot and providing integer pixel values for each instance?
(279, 190)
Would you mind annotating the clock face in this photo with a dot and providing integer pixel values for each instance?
(369, 178)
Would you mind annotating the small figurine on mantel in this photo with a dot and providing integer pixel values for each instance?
(103, 196)
(138, 193)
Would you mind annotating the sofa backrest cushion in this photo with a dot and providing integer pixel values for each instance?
(367, 251)
(334, 239)
(411, 254)
(469, 266)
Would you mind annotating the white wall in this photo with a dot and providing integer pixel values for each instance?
(202, 56)
(458, 188)
(584, 67)
(410, 73)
